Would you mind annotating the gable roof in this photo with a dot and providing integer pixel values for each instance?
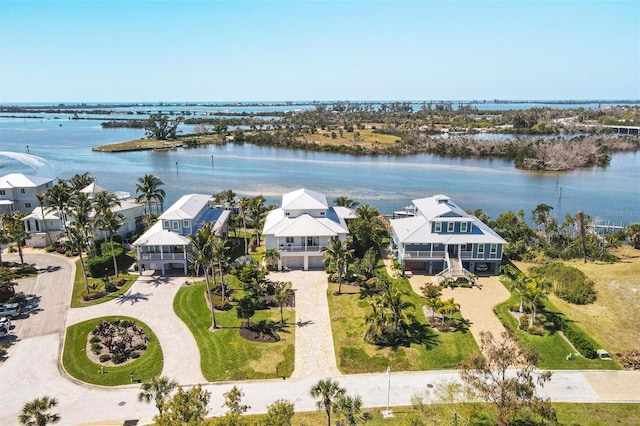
(20, 180)
(187, 207)
(93, 188)
(279, 225)
(303, 199)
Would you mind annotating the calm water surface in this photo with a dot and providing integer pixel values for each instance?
(61, 148)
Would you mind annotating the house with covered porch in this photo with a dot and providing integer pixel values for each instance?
(302, 226)
(164, 246)
(443, 239)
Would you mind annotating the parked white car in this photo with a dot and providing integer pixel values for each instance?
(9, 310)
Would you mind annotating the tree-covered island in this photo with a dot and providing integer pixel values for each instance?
(544, 139)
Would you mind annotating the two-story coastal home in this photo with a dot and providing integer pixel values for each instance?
(302, 226)
(165, 244)
(50, 228)
(17, 192)
(441, 238)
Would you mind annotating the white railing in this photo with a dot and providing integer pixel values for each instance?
(299, 249)
(163, 256)
(423, 254)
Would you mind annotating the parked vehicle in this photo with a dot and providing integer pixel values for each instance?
(9, 310)
(5, 326)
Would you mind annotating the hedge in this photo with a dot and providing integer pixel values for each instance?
(578, 339)
(97, 265)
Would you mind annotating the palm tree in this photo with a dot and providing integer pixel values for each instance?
(81, 209)
(345, 201)
(271, 256)
(110, 223)
(448, 307)
(536, 290)
(376, 320)
(258, 213)
(514, 280)
(244, 205)
(327, 390)
(633, 233)
(367, 229)
(220, 255)
(337, 254)
(58, 197)
(80, 181)
(15, 232)
(157, 388)
(78, 242)
(349, 409)
(34, 413)
(398, 317)
(150, 192)
(103, 201)
(282, 292)
(200, 249)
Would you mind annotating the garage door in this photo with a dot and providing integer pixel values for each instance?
(316, 263)
(293, 262)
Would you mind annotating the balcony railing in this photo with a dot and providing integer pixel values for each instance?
(424, 254)
(163, 256)
(300, 248)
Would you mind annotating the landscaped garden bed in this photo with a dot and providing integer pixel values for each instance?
(80, 362)
(224, 353)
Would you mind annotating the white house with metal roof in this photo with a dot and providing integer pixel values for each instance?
(17, 192)
(302, 226)
(444, 239)
(165, 244)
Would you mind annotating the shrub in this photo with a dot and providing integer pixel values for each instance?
(576, 336)
(49, 249)
(135, 355)
(569, 283)
(523, 323)
(110, 287)
(96, 348)
(118, 358)
(94, 339)
(140, 347)
(105, 357)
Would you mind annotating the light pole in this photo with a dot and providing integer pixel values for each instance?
(388, 412)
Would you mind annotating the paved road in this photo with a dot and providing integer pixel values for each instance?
(32, 370)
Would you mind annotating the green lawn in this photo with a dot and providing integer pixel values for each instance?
(79, 288)
(224, 354)
(552, 346)
(568, 414)
(354, 355)
(76, 363)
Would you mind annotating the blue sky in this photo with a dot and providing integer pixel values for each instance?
(98, 50)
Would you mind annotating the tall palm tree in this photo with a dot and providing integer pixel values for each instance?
(337, 254)
(80, 181)
(81, 208)
(244, 205)
(367, 229)
(327, 391)
(157, 388)
(200, 249)
(110, 223)
(220, 255)
(78, 242)
(14, 230)
(282, 292)
(58, 197)
(398, 316)
(35, 413)
(258, 212)
(349, 410)
(536, 290)
(345, 201)
(150, 192)
(514, 280)
(103, 201)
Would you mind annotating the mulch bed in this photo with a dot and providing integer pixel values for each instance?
(254, 335)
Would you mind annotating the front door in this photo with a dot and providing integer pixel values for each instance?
(452, 249)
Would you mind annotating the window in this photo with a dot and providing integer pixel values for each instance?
(493, 250)
(185, 223)
(464, 227)
(451, 226)
(438, 227)
(166, 224)
(176, 225)
(22, 190)
(322, 213)
(287, 214)
(27, 205)
(2, 192)
(480, 250)
(289, 240)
